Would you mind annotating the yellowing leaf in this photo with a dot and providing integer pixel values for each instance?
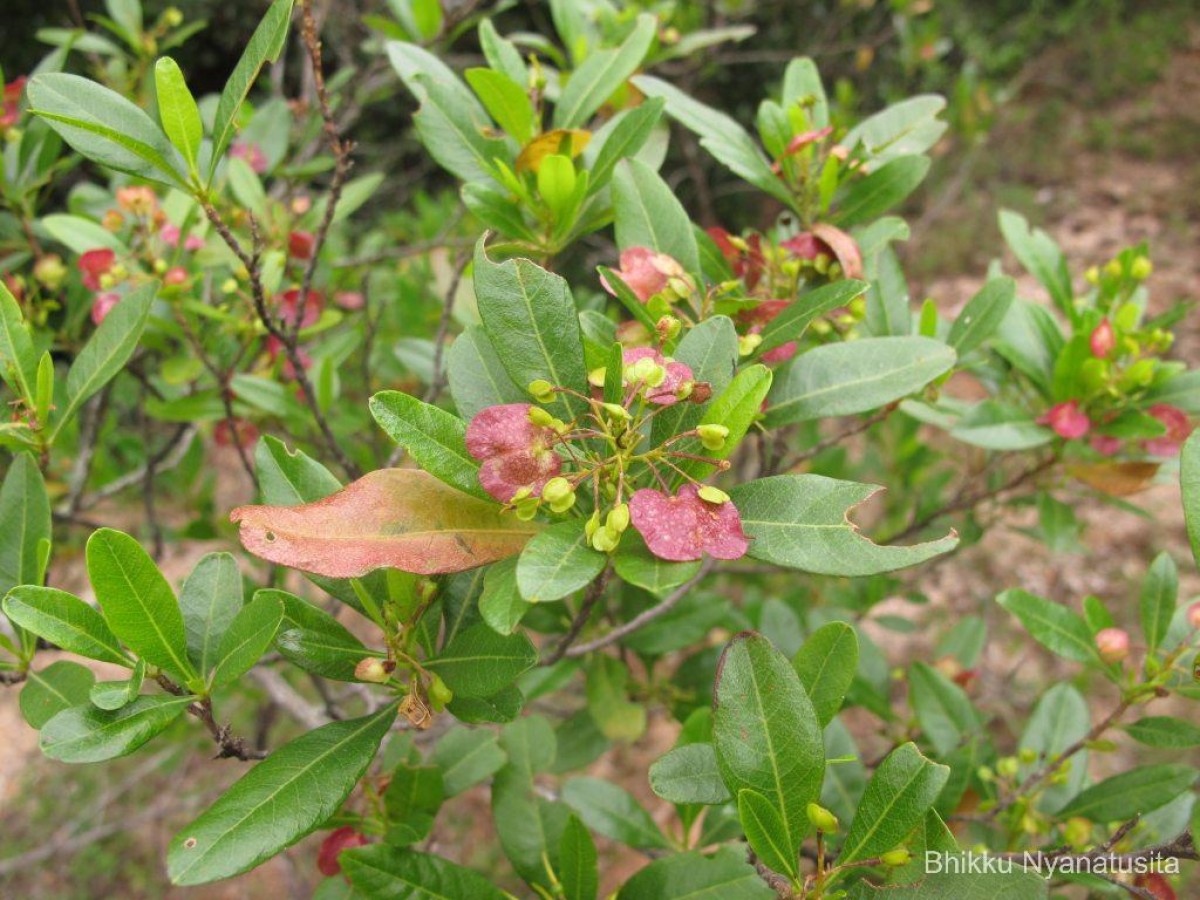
(402, 518)
(567, 141)
(1117, 479)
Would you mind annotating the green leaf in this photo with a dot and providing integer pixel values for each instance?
(530, 317)
(635, 564)
(477, 376)
(500, 604)
(435, 439)
(601, 74)
(1059, 719)
(47, 692)
(478, 662)
(105, 127)
(210, 598)
(897, 797)
(720, 135)
(1054, 626)
(617, 717)
(764, 832)
(855, 377)
(826, 665)
(962, 885)
(502, 55)
(276, 803)
(646, 213)
(84, 734)
(693, 876)
(800, 521)
(1040, 256)
(116, 694)
(710, 350)
(943, 709)
(1129, 794)
(24, 523)
(611, 811)
(502, 706)
(505, 100)
(766, 732)
(466, 757)
(1164, 731)
(620, 138)
(795, 318)
(1189, 483)
(109, 349)
(178, 111)
(18, 360)
(65, 621)
(557, 563)
(802, 84)
(264, 46)
(874, 195)
(737, 408)
(1160, 591)
(379, 870)
(689, 774)
(578, 872)
(247, 639)
(314, 640)
(995, 426)
(904, 128)
(413, 797)
(137, 601)
(982, 315)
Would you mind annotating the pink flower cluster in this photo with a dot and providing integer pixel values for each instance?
(1070, 422)
(10, 104)
(516, 455)
(686, 526)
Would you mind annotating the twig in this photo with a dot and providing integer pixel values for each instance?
(287, 699)
(228, 745)
(642, 619)
(439, 349)
(594, 592)
(833, 440)
(168, 457)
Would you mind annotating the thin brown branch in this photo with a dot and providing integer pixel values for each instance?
(594, 592)
(229, 746)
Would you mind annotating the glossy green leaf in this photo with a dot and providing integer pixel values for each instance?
(858, 376)
(904, 128)
(466, 757)
(379, 870)
(1189, 483)
(599, 76)
(1132, 793)
(177, 110)
(982, 315)
(693, 876)
(1164, 731)
(24, 523)
(435, 439)
(109, 348)
(557, 563)
(314, 640)
(646, 213)
(47, 692)
(766, 732)
(737, 407)
(620, 138)
(1054, 626)
(765, 832)
(264, 46)
(413, 797)
(1160, 592)
(18, 360)
(826, 664)
(795, 318)
(963, 885)
(479, 662)
(689, 774)
(882, 189)
(1040, 256)
(210, 598)
(635, 564)
(276, 803)
(578, 872)
(477, 377)
(710, 350)
(137, 601)
(529, 313)
(506, 100)
(105, 127)
(897, 797)
(84, 734)
(247, 638)
(610, 810)
(503, 706)
(502, 55)
(117, 694)
(943, 709)
(1059, 719)
(65, 621)
(500, 604)
(800, 521)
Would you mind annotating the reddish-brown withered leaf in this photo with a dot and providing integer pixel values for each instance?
(400, 518)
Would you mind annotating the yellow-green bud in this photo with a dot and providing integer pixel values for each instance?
(596, 377)
(563, 504)
(229, 286)
(822, 819)
(427, 589)
(107, 281)
(667, 328)
(556, 489)
(605, 540)
(617, 411)
(748, 343)
(160, 265)
(1141, 268)
(592, 524)
(1008, 767)
(898, 857)
(1092, 275)
(1028, 755)
(50, 271)
(712, 436)
(439, 694)
(985, 774)
(618, 518)
(1113, 268)
(821, 263)
(172, 17)
(712, 494)
(1140, 374)
(541, 390)
(527, 508)
(374, 670)
(1077, 832)
(539, 416)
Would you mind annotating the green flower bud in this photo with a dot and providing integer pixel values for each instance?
(597, 376)
(618, 518)
(229, 286)
(527, 508)
(1028, 756)
(563, 504)
(985, 774)
(50, 271)
(712, 436)
(617, 412)
(605, 540)
(748, 343)
(1113, 268)
(712, 494)
(667, 328)
(1077, 833)
(1092, 275)
(1141, 268)
(439, 694)
(556, 489)
(539, 416)
(374, 670)
(172, 17)
(1140, 374)
(1008, 767)
(541, 390)
(898, 857)
(822, 819)
(593, 523)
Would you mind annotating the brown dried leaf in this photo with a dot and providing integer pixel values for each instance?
(400, 518)
(567, 141)
(1117, 479)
